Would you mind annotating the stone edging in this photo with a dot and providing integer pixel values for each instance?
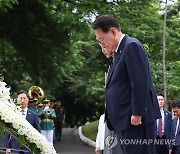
(84, 139)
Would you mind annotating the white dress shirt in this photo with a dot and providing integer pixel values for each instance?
(119, 42)
(101, 133)
(25, 112)
(177, 125)
(106, 74)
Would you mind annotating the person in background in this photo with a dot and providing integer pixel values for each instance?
(39, 106)
(47, 116)
(175, 131)
(59, 120)
(30, 116)
(100, 135)
(32, 105)
(163, 127)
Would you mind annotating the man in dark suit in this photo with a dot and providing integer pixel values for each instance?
(131, 101)
(31, 117)
(175, 131)
(163, 130)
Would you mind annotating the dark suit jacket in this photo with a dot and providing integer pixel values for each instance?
(167, 123)
(129, 87)
(167, 126)
(11, 142)
(173, 130)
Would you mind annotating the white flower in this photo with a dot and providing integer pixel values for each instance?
(4, 91)
(10, 114)
(2, 84)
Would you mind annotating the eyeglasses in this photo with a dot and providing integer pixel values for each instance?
(100, 40)
(46, 103)
(20, 99)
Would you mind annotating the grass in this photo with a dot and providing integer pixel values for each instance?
(90, 130)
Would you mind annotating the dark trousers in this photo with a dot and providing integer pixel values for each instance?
(161, 149)
(58, 130)
(141, 135)
(176, 150)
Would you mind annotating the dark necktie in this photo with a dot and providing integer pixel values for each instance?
(160, 128)
(23, 112)
(110, 60)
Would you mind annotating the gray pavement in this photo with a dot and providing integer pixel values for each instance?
(70, 144)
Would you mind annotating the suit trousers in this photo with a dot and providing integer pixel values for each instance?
(176, 150)
(135, 140)
(161, 148)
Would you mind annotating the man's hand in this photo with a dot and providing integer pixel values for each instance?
(170, 151)
(97, 150)
(8, 151)
(136, 120)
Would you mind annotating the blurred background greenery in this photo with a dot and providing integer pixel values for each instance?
(50, 43)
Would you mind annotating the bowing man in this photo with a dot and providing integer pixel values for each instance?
(131, 101)
(175, 131)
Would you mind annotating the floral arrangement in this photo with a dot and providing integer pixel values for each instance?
(11, 120)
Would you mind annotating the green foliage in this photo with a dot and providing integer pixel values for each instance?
(33, 148)
(21, 139)
(51, 44)
(173, 73)
(7, 4)
(90, 130)
(1, 130)
(173, 32)
(173, 79)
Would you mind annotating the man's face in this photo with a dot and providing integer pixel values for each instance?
(107, 41)
(30, 104)
(46, 104)
(58, 103)
(160, 101)
(35, 102)
(176, 111)
(22, 100)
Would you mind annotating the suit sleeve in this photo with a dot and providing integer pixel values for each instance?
(172, 135)
(36, 123)
(137, 67)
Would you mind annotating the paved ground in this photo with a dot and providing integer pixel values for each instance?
(70, 144)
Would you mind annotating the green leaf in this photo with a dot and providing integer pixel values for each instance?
(21, 139)
(33, 148)
(1, 130)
